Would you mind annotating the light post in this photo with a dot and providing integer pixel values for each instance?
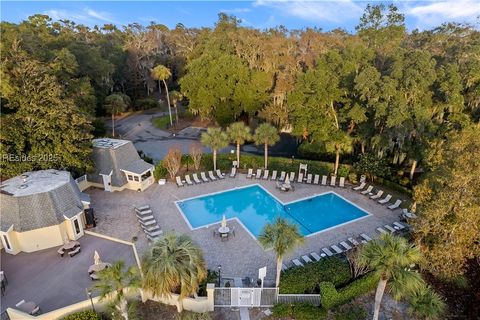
(219, 275)
(89, 295)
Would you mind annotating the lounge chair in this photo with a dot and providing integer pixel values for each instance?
(345, 245)
(61, 252)
(284, 267)
(327, 252)
(292, 177)
(195, 178)
(147, 223)
(324, 180)
(149, 237)
(282, 176)
(250, 173)
(365, 237)
(333, 180)
(188, 180)
(315, 256)
(309, 178)
(360, 187)
(143, 213)
(353, 241)
(378, 195)
(211, 176)
(143, 208)
(274, 175)
(297, 263)
(316, 179)
(386, 199)
(389, 228)
(74, 252)
(151, 228)
(399, 225)
(258, 175)
(204, 177)
(154, 233)
(145, 217)
(368, 190)
(265, 174)
(233, 173)
(408, 215)
(179, 181)
(395, 205)
(306, 259)
(381, 230)
(300, 178)
(220, 175)
(336, 249)
(341, 183)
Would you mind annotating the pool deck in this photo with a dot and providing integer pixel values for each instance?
(242, 255)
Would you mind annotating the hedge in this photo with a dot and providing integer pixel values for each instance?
(83, 315)
(331, 297)
(307, 279)
(299, 311)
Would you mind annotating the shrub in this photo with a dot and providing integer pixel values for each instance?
(307, 279)
(353, 312)
(299, 311)
(372, 166)
(99, 128)
(145, 103)
(161, 122)
(83, 315)
(160, 171)
(212, 277)
(352, 177)
(343, 171)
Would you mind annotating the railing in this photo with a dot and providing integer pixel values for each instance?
(259, 297)
(313, 299)
(222, 297)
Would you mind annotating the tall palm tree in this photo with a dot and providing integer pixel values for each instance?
(114, 104)
(391, 258)
(267, 135)
(283, 237)
(426, 304)
(215, 139)
(238, 133)
(175, 96)
(174, 264)
(339, 143)
(115, 282)
(162, 73)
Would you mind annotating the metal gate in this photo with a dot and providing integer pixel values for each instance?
(245, 297)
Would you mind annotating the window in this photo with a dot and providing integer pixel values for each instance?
(77, 226)
(146, 175)
(130, 177)
(7, 243)
(136, 178)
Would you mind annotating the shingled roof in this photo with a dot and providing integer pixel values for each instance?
(38, 199)
(114, 155)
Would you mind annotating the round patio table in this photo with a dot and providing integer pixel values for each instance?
(224, 230)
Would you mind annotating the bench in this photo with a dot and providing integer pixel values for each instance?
(74, 252)
(61, 252)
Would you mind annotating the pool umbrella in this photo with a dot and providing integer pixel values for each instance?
(224, 222)
(96, 258)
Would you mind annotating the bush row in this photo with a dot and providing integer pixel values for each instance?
(307, 279)
(83, 315)
(299, 311)
(331, 297)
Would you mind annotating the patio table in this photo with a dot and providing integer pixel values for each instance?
(27, 307)
(223, 230)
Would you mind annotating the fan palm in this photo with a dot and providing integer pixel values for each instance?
(115, 282)
(175, 96)
(162, 73)
(267, 135)
(238, 133)
(174, 264)
(426, 304)
(391, 258)
(215, 139)
(114, 104)
(283, 237)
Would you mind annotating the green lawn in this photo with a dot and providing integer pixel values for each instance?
(161, 122)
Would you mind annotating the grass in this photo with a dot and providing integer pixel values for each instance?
(161, 122)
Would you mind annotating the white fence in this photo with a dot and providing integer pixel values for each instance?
(299, 298)
(259, 297)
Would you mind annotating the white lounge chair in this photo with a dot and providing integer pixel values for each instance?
(282, 176)
(143, 208)
(292, 176)
(306, 259)
(395, 205)
(233, 173)
(315, 256)
(333, 180)
(300, 178)
(360, 187)
(399, 225)
(368, 190)
(265, 174)
(345, 245)
(341, 183)
(152, 238)
(250, 173)
(381, 230)
(389, 228)
(258, 175)
(316, 179)
(386, 199)
(179, 181)
(154, 233)
(327, 252)
(220, 175)
(378, 195)
(365, 237)
(145, 217)
(408, 215)
(204, 177)
(211, 176)
(309, 178)
(336, 249)
(152, 228)
(274, 175)
(324, 180)
(195, 178)
(353, 241)
(297, 263)
(148, 222)
(143, 212)
(188, 180)
(284, 267)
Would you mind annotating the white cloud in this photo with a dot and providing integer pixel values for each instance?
(86, 16)
(103, 16)
(236, 10)
(315, 11)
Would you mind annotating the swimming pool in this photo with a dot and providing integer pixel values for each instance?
(254, 207)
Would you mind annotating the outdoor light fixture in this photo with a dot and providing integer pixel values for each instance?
(219, 274)
(89, 295)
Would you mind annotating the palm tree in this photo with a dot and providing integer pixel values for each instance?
(283, 237)
(267, 135)
(175, 96)
(215, 139)
(426, 304)
(391, 258)
(114, 104)
(338, 143)
(162, 73)
(174, 264)
(238, 133)
(115, 283)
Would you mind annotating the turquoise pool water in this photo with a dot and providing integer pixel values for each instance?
(255, 207)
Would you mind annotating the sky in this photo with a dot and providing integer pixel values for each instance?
(260, 14)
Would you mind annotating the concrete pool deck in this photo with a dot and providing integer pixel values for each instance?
(240, 256)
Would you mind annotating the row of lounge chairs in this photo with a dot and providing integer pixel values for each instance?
(396, 226)
(310, 179)
(203, 177)
(374, 196)
(148, 223)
